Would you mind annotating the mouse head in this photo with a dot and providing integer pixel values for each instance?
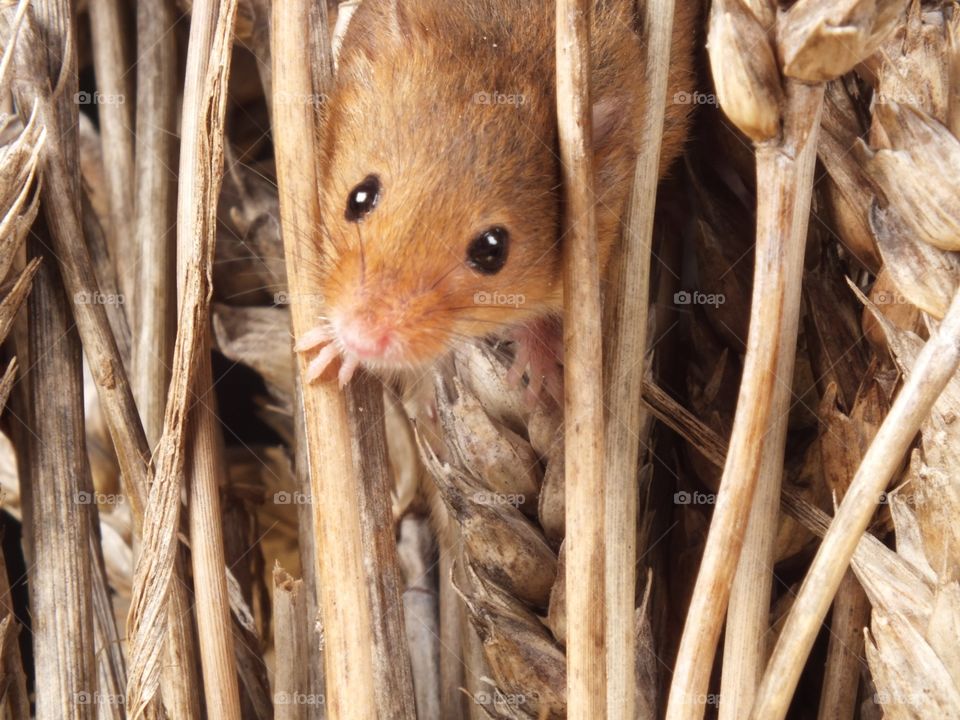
(440, 192)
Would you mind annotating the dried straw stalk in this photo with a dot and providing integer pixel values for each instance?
(583, 382)
(202, 162)
(368, 676)
(785, 177)
(16, 701)
(33, 87)
(154, 227)
(627, 423)
(57, 472)
(114, 82)
(154, 210)
(290, 621)
(934, 367)
(49, 422)
(792, 159)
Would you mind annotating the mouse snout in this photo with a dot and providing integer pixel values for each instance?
(367, 338)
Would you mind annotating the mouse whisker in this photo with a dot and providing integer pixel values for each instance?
(363, 259)
(445, 275)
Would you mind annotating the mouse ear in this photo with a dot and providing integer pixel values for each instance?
(373, 23)
(609, 112)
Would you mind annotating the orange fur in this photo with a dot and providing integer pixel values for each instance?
(408, 106)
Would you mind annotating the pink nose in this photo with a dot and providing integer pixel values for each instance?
(365, 340)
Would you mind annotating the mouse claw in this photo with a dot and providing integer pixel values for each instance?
(319, 366)
(347, 368)
(539, 355)
(312, 338)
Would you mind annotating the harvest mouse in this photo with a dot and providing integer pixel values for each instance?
(441, 196)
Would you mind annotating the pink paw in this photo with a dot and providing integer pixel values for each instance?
(539, 355)
(329, 360)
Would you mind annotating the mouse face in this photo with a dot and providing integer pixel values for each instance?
(440, 195)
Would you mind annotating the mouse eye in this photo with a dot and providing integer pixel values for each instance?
(487, 253)
(363, 199)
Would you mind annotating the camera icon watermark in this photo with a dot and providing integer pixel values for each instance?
(499, 98)
(289, 98)
(85, 497)
(694, 98)
(284, 497)
(685, 297)
(98, 698)
(499, 299)
(285, 297)
(684, 497)
(98, 298)
(98, 98)
(487, 497)
(888, 297)
(298, 698)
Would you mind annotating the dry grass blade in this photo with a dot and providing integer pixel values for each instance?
(15, 701)
(627, 423)
(786, 168)
(290, 628)
(583, 362)
(415, 549)
(203, 155)
(32, 89)
(152, 347)
(155, 209)
(57, 475)
(363, 621)
(115, 111)
(935, 366)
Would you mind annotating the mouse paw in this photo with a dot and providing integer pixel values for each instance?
(539, 356)
(329, 361)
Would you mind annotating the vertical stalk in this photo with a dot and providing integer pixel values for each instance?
(627, 421)
(785, 179)
(583, 382)
(358, 581)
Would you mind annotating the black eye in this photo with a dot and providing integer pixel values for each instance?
(487, 253)
(363, 199)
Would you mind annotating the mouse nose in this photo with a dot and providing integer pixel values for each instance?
(365, 340)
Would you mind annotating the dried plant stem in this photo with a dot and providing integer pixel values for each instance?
(745, 644)
(365, 413)
(57, 472)
(154, 228)
(935, 366)
(291, 640)
(583, 382)
(308, 557)
(785, 178)
(627, 422)
(841, 679)
(420, 605)
(208, 62)
(205, 463)
(367, 667)
(453, 628)
(685, 424)
(73, 258)
(16, 701)
(115, 108)
(201, 164)
(155, 209)
(111, 672)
